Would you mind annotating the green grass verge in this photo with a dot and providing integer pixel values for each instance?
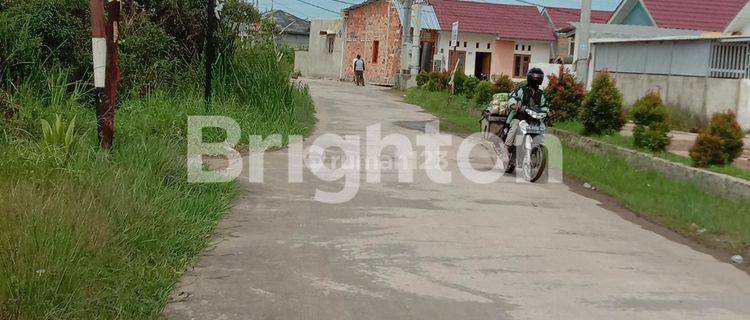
(681, 206)
(456, 113)
(106, 235)
(627, 142)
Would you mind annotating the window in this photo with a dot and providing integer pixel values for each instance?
(529, 47)
(523, 48)
(330, 41)
(488, 46)
(375, 51)
(477, 45)
(465, 44)
(572, 46)
(516, 47)
(521, 65)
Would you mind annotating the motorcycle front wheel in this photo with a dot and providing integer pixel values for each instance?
(534, 163)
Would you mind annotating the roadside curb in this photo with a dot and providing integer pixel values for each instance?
(712, 182)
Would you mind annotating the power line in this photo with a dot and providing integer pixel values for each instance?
(317, 6)
(344, 2)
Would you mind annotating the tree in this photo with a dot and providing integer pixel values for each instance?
(651, 120)
(601, 112)
(565, 94)
(720, 143)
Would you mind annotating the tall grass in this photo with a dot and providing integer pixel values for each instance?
(105, 235)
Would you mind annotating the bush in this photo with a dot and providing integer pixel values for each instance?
(470, 86)
(649, 110)
(503, 84)
(601, 111)
(651, 120)
(431, 86)
(565, 94)
(422, 78)
(483, 93)
(63, 28)
(654, 137)
(459, 79)
(720, 143)
(441, 80)
(148, 57)
(519, 85)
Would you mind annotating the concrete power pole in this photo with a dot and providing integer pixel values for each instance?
(582, 36)
(416, 43)
(99, 52)
(405, 44)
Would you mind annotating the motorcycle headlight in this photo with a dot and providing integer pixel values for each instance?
(536, 115)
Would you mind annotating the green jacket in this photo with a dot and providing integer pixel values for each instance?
(517, 97)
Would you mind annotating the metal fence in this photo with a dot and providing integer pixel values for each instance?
(730, 60)
(724, 59)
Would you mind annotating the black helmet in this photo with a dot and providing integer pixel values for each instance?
(535, 77)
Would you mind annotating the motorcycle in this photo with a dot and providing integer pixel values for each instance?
(530, 149)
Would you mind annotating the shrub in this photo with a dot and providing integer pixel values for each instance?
(654, 137)
(443, 80)
(459, 79)
(601, 111)
(651, 120)
(503, 84)
(720, 143)
(422, 78)
(19, 50)
(470, 86)
(566, 95)
(431, 86)
(648, 110)
(62, 27)
(483, 93)
(148, 57)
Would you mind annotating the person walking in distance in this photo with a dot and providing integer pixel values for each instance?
(359, 71)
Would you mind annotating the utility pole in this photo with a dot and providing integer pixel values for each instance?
(112, 73)
(582, 36)
(99, 52)
(405, 44)
(417, 39)
(210, 51)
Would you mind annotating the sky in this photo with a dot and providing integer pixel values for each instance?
(308, 11)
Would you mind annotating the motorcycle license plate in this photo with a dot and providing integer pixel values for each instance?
(534, 130)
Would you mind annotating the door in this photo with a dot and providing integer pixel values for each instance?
(457, 56)
(482, 65)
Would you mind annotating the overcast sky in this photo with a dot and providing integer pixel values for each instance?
(308, 11)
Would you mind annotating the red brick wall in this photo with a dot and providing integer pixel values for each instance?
(379, 22)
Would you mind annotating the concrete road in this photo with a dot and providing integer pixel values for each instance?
(441, 251)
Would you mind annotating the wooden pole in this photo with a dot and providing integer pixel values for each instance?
(210, 51)
(112, 74)
(99, 52)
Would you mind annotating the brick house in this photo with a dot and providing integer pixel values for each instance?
(560, 20)
(373, 30)
(493, 39)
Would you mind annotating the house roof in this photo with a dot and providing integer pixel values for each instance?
(562, 17)
(703, 15)
(290, 23)
(504, 20)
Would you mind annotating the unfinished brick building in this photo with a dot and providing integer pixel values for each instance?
(373, 30)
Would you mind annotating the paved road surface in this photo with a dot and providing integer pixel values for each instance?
(441, 251)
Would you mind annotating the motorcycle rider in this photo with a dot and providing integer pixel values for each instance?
(530, 96)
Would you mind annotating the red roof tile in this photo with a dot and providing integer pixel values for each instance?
(703, 15)
(562, 17)
(506, 21)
